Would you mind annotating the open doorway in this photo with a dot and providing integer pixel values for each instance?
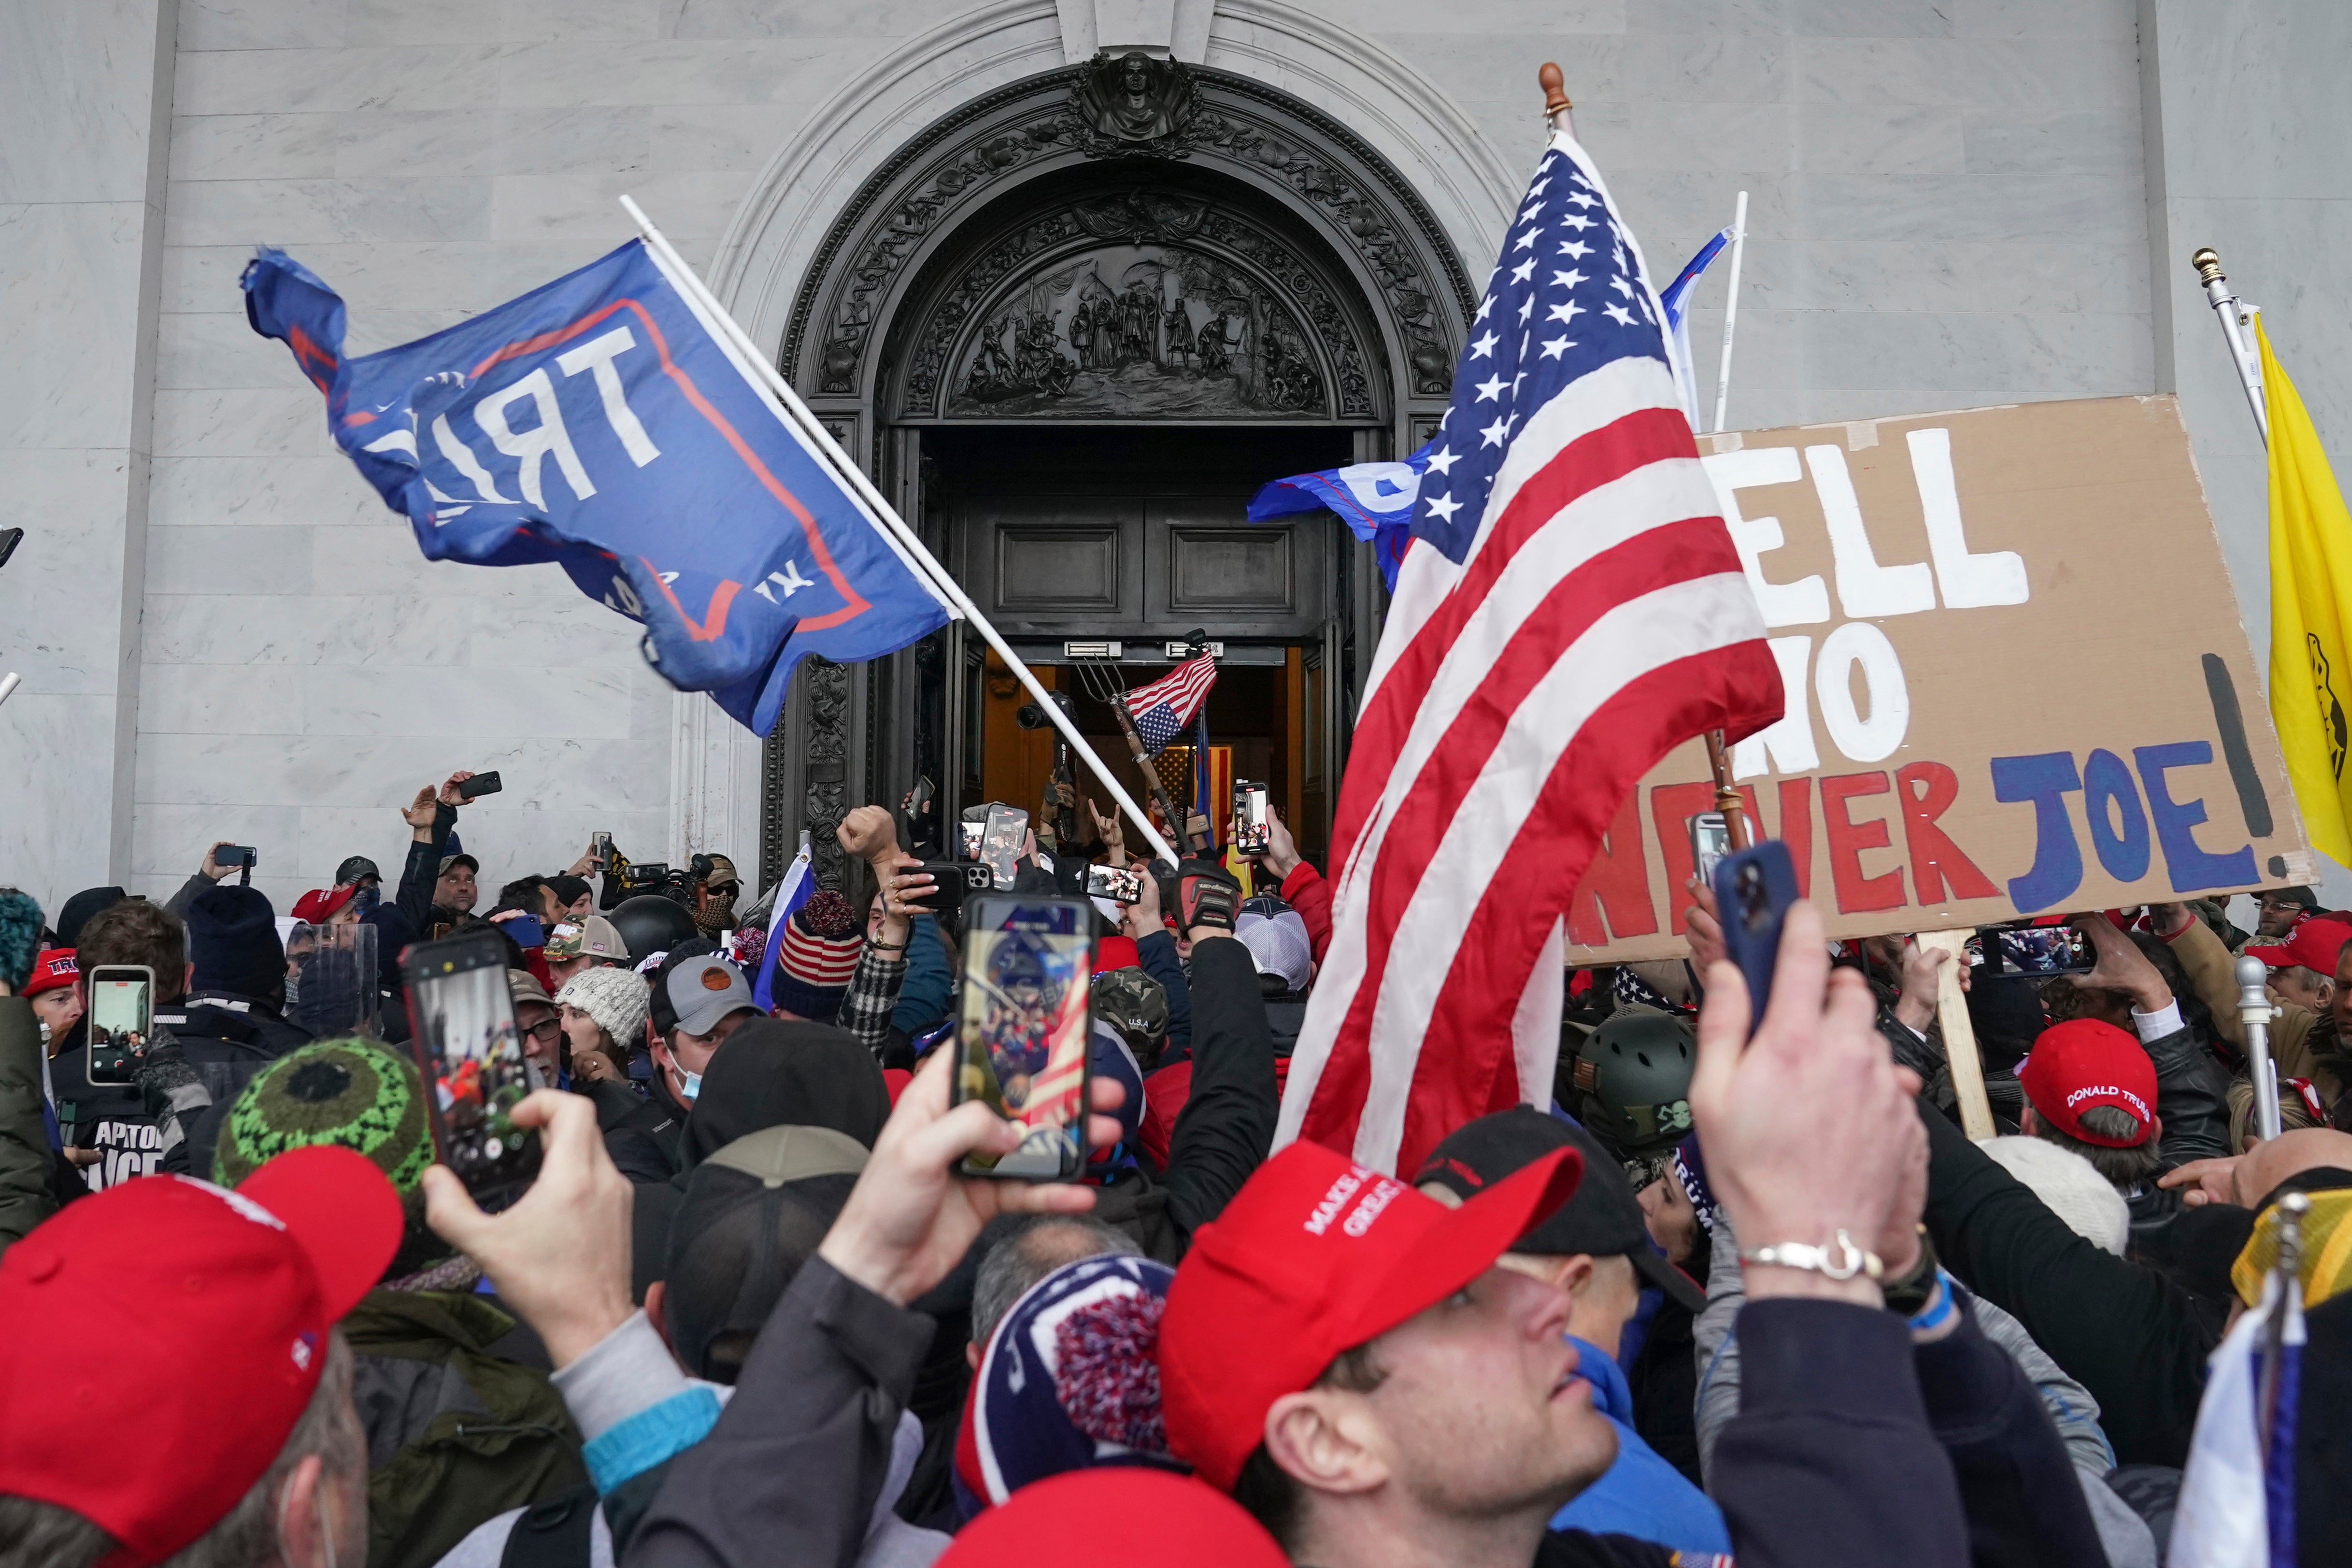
(1111, 545)
(1258, 728)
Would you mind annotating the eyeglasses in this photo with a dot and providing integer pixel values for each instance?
(545, 1029)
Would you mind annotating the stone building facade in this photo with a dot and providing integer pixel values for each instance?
(223, 634)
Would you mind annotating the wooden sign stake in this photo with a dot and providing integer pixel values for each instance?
(1961, 1034)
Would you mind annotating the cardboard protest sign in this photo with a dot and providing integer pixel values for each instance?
(2017, 682)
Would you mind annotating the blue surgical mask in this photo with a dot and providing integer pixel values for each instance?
(693, 1089)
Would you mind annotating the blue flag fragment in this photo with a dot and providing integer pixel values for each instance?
(1676, 298)
(602, 423)
(1374, 500)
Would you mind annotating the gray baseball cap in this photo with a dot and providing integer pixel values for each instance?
(705, 989)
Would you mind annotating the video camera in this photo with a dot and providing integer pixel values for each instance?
(677, 884)
(1030, 716)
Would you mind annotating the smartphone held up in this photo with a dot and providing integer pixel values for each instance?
(122, 1020)
(469, 1049)
(1022, 1030)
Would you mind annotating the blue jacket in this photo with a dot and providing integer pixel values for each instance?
(1640, 1495)
(923, 994)
(1158, 952)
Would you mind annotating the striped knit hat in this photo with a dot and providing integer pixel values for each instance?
(815, 957)
(353, 1093)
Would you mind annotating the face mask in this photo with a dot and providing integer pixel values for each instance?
(366, 898)
(693, 1089)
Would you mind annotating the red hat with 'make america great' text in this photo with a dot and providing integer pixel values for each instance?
(1315, 1256)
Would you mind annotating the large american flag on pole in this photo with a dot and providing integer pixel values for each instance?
(1571, 609)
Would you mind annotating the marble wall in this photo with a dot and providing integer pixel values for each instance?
(85, 107)
(1952, 202)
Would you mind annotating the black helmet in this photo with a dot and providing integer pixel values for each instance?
(651, 923)
(1635, 1072)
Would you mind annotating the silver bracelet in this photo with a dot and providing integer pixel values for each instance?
(1840, 1260)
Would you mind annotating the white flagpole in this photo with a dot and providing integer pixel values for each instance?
(2233, 314)
(1731, 307)
(893, 527)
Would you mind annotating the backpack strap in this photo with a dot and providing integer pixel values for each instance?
(554, 1533)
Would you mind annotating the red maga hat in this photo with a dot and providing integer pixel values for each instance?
(52, 970)
(1163, 1521)
(1313, 1256)
(189, 1330)
(2314, 944)
(319, 905)
(2081, 1063)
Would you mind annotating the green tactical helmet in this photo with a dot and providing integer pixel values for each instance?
(1635, 1072)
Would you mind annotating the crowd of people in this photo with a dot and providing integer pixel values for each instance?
(1743, 1290)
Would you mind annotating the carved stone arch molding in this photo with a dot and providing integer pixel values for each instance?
(1227, 137)
(1391, 176)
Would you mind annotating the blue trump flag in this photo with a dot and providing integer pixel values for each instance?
(1374, 500)
(602, 423)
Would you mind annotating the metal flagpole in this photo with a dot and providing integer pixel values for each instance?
(1731, 306)
(2255, 1012)
(893, 527)
(2234, 315)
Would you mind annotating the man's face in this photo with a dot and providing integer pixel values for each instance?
(1481, 1410)
(692, 1053)
(579, 908)
(59, 1007)
(456, 890)
(564, 969)
(542, 1036)
(2339, 1004)
(2294, 983)
(550, 909)
(2278, 915)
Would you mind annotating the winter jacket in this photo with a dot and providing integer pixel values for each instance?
(2069, 1407)
(1640, 1494)
(929, 982)
(423, 870)
(1158, 956)
(2134, 1338)
(1306, 890)
(456, 1433)
(2303, 1043)
(24, 1197)
(1834, 1460)
(1226, 1127)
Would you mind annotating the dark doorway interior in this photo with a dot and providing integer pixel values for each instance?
(1136, 536)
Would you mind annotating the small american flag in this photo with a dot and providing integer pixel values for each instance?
(1163, 709)
(1578, 612)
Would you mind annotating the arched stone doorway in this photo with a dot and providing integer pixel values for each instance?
(1068, 327)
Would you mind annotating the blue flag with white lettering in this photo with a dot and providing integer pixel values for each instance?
(1374, 500)
(602, 423)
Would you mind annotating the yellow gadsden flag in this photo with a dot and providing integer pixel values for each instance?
(2311, 592)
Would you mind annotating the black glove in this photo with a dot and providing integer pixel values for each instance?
(1206, 895)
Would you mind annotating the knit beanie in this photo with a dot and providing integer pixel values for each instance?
(815, 957)
(233, 942)
(616, 998)
(353, 1093)
(2069, 1186)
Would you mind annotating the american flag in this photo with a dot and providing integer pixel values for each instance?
(1164, 709)
(1574, 610)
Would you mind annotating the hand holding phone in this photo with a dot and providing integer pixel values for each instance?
(956, 879)
(1753, 890)
(1119, 884)
(1003, 839)
(1249, 827)
(470, 1050)
(480, 784)
(1023, 1030)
